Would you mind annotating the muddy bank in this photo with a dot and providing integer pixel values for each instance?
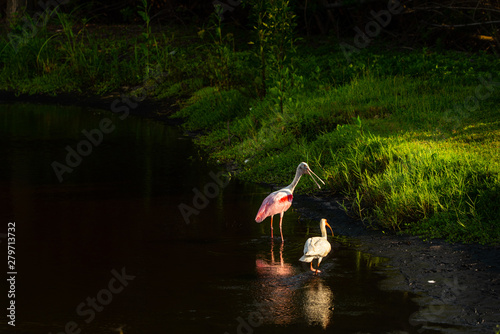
(458, 285)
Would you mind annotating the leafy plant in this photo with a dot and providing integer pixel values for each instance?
(275, 24)
(149, 39)
(220, 52)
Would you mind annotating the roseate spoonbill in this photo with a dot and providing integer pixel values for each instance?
(280, 200)
(317, 247)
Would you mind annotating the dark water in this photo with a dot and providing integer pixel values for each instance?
(108, 248)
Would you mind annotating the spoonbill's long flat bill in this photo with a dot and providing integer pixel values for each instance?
(280, 200)
(317, 247)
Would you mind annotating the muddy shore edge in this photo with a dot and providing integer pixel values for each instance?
(458, 284)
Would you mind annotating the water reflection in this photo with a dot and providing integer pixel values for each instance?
(274, 293)
(318, 302)
(286, 294)
(268, 266)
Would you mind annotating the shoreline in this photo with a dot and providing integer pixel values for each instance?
(458, 284)
(150, 108)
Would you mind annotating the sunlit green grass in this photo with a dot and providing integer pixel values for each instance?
(411, 162)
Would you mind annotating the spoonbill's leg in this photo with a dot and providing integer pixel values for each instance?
(281, 255)
(272, 251)
(281, 221)
(271, 227)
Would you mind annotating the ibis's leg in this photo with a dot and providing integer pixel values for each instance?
(281, 221)
(271, 227)
(319, 261)
(316, 271)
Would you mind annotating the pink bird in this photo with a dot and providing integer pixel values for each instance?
(280, 200)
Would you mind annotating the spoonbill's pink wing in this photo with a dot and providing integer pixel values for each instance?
(276, 202)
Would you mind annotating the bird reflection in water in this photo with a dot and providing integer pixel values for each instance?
(317, 302)
(275, 288)
(272, 267)
(286, 295)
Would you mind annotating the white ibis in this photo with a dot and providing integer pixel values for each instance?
(317, 247)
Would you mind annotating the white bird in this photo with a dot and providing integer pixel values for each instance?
(317, 247)
(281, 200)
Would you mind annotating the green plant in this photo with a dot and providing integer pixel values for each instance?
(74, 43)
(281, 25)
(149, 40)
(275, 24)
(219, 52)
(152, 50)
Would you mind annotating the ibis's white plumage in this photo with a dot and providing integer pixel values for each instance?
(317, 247)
